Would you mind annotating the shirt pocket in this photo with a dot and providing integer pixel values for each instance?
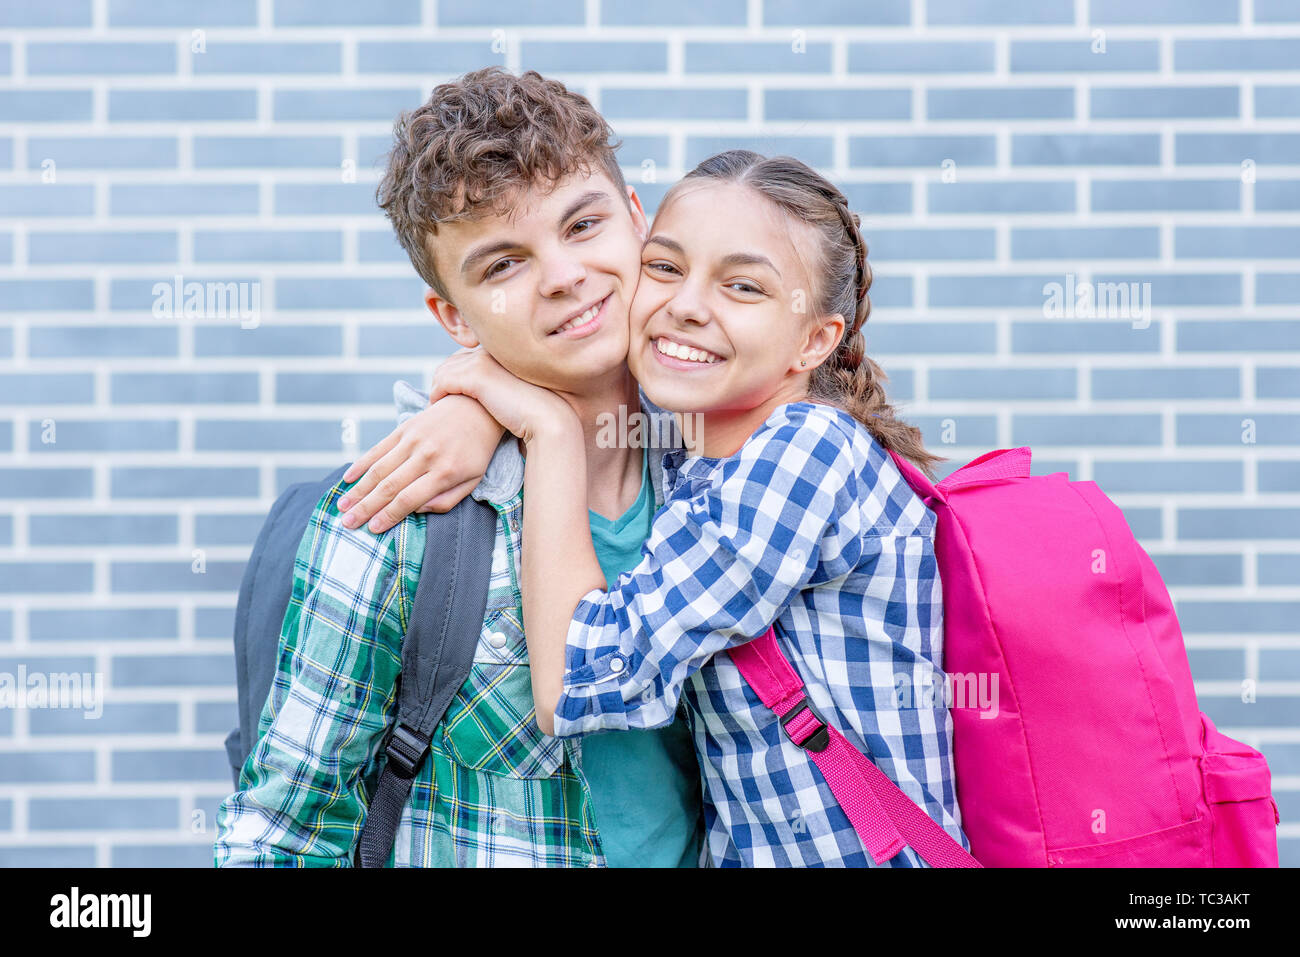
(501, 640)
(491, 725)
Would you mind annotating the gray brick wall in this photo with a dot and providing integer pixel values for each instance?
(991, 147)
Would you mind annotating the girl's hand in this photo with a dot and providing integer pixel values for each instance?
(523, 408)
(429, 463)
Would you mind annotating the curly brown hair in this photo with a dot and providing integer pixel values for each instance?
(477, 141)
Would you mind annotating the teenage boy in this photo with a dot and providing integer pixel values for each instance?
(507, 196)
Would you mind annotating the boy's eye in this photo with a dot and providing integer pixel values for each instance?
(493, 270)
(661, 267)
(590, 221)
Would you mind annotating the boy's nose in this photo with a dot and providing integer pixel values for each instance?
(560, 276)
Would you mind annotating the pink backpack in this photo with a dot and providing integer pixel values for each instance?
(1096, 754)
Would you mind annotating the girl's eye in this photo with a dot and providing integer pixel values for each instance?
(661, 267)
(744, 287)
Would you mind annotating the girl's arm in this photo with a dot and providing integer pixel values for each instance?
(727, 554)
(558, 565)
(559, 562)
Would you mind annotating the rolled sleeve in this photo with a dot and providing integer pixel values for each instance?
(595, 675)
(726, 555)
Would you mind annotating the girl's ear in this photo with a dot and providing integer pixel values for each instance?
(450, 318)
(822, 340)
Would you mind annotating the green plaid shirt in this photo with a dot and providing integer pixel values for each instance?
(493, 792)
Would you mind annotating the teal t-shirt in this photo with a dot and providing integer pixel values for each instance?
(645, 784)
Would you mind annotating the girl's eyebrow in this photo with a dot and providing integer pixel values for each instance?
(731, 259)
(670, 244)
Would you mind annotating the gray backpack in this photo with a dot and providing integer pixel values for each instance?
(437, 650)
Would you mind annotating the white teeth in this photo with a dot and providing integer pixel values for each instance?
(583, 319)
(679, 351)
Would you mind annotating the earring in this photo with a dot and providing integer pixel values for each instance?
(803, 362)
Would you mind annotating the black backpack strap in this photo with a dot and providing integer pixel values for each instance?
(437, 653)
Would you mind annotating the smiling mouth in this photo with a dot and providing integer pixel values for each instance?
(586, 319)
(677, 350)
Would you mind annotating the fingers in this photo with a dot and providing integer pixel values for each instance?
(450, 377)
(378, 471)
(406, 501)
(372, 455)
(393, 492)
(445, 382)
(451, 498)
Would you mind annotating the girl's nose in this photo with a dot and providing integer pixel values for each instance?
(687, 306)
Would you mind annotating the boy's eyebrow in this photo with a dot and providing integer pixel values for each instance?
(590, 196)
(482, 252)
(731, 259)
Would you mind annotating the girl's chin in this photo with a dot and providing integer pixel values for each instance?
(675, 396)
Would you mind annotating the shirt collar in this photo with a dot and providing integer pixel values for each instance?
(505, 474)
(679, 465)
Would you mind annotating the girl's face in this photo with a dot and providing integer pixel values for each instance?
(719, 319)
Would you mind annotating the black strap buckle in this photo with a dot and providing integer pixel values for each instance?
(405, 751)
(820, 739)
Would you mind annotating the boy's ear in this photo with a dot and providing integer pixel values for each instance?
(639, 221)
(451, 319)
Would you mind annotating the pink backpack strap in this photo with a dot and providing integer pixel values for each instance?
(885, 818)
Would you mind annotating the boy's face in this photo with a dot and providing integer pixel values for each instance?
(546, 287)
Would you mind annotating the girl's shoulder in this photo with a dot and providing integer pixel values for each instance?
(805, 422)
(808, 439)
(808, 411)
(811, 440)
(887, 502)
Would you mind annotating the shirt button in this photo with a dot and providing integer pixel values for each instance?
(593, 863)
(497, 639)
(615, 665)
(796, 554)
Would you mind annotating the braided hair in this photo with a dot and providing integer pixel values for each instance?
(849, 378)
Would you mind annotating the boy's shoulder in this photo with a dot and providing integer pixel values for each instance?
(355, 566)
(327, 519)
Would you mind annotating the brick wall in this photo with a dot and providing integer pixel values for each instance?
(991, 146)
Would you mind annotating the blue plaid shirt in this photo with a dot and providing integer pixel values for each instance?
(809, 525)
